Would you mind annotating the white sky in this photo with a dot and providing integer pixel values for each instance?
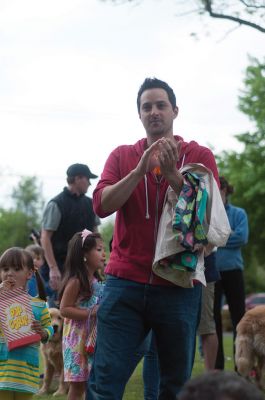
(70, 71)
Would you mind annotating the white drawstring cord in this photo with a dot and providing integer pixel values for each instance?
(147, 215)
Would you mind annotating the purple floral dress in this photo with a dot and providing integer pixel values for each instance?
(77, 362)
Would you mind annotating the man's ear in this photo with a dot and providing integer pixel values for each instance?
(175, 111)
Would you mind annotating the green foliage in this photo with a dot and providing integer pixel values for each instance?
(28, 198)
(106, 230)
(14, 229)
(17, 221)
(251, 101)
(246, 172)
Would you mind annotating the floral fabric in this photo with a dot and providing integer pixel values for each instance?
(188, 224)
(77, 361)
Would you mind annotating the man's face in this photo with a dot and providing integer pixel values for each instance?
(156, 113)
(82, 184)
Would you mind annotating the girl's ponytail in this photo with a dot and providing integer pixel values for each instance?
(40, 285)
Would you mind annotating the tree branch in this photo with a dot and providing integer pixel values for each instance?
(251, 5)
(208, 8)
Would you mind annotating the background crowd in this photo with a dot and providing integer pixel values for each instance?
(137, 313)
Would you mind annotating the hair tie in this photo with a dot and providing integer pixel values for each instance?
(84, 235)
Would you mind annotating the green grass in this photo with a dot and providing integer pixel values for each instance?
(134, 389)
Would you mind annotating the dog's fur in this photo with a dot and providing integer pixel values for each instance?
(250, 345)
(53, 356)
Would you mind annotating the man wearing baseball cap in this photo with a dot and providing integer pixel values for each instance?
(65, 214)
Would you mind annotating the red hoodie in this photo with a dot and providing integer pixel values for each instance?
(136, 224)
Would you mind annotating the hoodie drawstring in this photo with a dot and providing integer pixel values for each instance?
(147, 215)
(183, 159)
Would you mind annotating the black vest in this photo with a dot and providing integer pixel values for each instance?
(77, 214)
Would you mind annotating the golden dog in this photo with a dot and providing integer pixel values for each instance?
(250, 345)
(53, 356)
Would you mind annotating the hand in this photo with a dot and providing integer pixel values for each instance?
(8, 284)
(36, 327)
(168, 156)
(55, 278)
(149, 159)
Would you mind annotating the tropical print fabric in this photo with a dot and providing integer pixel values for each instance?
(188, 223)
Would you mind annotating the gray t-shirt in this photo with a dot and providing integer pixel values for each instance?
(51, 217)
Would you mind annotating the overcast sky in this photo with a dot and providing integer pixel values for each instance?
(70, 71)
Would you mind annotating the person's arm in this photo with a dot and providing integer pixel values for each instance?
(46, 244)
(68, 308)
(46, 324)
(114, 196)
(96, 224)
(37, 327)
(239, 234)
(50, 222)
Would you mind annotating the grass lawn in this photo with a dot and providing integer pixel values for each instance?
(134, 390)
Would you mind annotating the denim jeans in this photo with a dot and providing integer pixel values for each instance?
(151, 376)
(127, 313)
(52, 295)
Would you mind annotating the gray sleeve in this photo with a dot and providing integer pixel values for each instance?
(51, 217)
(97, 220)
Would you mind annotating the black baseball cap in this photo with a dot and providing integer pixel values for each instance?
(80, 170)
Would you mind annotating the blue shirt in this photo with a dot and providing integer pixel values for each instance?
(230, 257)
(32, 286)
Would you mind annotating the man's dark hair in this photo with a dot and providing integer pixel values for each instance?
(154, 83)
(221, 385)
(224, 184)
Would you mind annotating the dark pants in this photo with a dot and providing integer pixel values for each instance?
(52, 295)
(151, 376)
(232, 286)
(127, 313)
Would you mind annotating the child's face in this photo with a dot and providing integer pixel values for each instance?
(17, 277)
(96, 257)
(38, 261)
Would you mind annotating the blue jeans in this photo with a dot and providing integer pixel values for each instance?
(127, 313)
(151, 376)
(52, 295)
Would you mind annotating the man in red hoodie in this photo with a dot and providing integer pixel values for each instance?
(133, 183)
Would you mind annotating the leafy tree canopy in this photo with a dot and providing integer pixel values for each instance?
(246, 170)
(17, 221)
